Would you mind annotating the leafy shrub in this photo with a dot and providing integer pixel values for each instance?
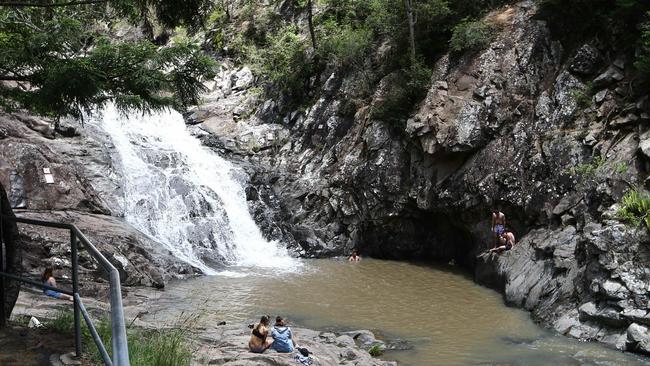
(375, 350)
(345, 46)
(470, 35)
(283, 60)
(587, 170)
(635, 208)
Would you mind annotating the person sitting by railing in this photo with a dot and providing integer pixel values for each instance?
(48, 279)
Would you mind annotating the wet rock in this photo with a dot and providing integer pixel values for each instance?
(608, 77)
(605, 315)
(641, 316)
(399, 345)
(638, 338)
(366, 339)
(614, 290)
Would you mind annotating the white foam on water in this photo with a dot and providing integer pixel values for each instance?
(186, 196)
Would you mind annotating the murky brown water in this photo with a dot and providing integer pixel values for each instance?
(446, 317)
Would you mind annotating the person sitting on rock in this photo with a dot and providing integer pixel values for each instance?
(354, 257)
(498, 225)
(259, 341)
(282, 337)
(48, 279)
(507, 240)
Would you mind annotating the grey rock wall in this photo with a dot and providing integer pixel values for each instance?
(553, 137)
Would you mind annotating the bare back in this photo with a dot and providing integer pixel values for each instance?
(498, 218)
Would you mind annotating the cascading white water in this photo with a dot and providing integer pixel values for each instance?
(185, 196)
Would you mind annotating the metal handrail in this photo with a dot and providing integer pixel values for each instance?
(118, 328)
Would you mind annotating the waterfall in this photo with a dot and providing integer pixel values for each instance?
(185, 196)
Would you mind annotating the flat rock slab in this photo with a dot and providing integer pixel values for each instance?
(230, 347)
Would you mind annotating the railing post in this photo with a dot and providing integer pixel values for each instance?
(3, 297)
(119, 342)
(75, 290)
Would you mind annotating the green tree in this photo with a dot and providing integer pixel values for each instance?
(56, 60)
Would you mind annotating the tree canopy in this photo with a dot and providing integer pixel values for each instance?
(59, 58)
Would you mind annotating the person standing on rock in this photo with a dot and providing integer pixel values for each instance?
(282, 337)
(498, 225)
(259, 341)
(48, 279)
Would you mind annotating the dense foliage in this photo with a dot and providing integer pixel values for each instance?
(469, 35)
(346, 34)
(58, 60)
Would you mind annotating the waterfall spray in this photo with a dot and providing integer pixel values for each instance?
(186, 196)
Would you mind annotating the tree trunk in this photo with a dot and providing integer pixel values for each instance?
(408, 4)
(310, 22)
(12, 254)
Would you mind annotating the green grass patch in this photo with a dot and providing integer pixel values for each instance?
(164, 347)
(588, 169)
(159, 348)
(635, 208)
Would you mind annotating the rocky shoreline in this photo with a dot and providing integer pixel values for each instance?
(222, 344)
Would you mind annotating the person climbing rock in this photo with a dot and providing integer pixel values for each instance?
(354, 257)
(259, 341)
(282, 337)
(48, 279)
(498, 225)
(507, 240)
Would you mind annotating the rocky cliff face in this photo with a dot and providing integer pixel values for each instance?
(553, 137)
(85, 192)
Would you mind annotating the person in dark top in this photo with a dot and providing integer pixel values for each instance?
(260, 341)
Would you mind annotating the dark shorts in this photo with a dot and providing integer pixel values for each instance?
(52, 293)
(499, 229)
(258, 349)
(508, 246)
